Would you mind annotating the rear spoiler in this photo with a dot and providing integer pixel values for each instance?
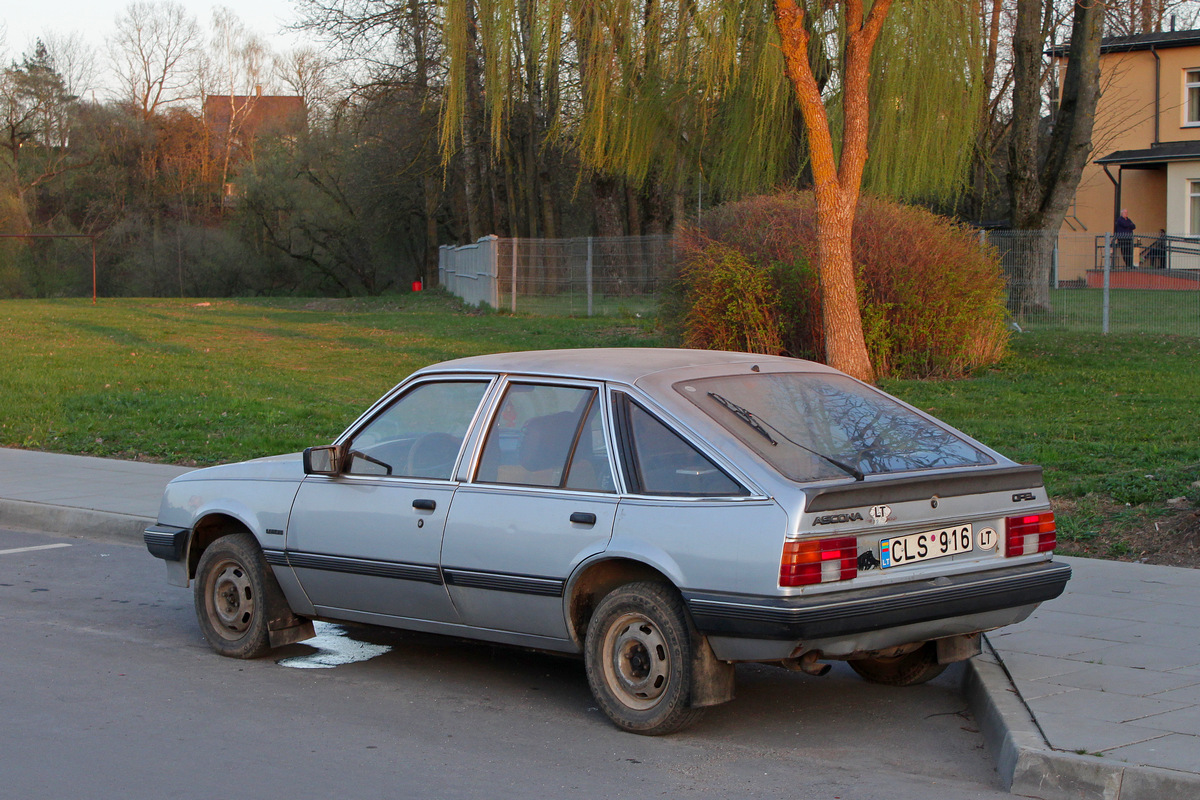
(882, 489)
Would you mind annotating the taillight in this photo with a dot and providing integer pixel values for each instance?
(1033, 533)
(818, 561)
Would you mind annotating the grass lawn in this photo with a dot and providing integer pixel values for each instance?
(1153, 311)
(194, 382)
(1114, 420)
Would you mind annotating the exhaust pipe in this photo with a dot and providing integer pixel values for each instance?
(809, 662)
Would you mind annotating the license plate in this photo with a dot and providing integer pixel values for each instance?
(916, 547)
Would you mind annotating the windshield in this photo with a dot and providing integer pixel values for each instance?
(813, 426)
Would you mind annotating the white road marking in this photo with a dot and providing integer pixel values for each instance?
(30, 549)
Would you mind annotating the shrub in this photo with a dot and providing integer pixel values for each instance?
(732, 305)
(932, 297)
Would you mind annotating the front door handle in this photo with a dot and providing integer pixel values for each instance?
(584, 518)
(424, 505)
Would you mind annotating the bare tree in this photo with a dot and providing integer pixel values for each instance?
(308, 72)
(1132, 17)
(154, 54)
(74, 60)
(235, 73)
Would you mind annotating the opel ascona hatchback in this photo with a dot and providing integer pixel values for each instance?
(663, 513)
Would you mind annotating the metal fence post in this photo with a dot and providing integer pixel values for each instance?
(493, 265)
(588, 273)
(513, 293)
(1107, 272)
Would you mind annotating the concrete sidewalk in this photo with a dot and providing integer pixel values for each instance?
(80, 496)
(1097, 695)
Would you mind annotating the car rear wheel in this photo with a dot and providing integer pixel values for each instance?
(638, 654)
(910, 669)
(231, 596)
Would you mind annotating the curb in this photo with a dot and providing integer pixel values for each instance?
(1029, 767)
(106, 526)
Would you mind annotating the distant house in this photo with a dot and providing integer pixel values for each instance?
(236, 122)
(1145, 143)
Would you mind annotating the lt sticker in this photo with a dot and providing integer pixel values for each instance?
(988, 539)
(880, 514)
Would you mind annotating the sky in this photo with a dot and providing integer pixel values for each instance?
(25, 20)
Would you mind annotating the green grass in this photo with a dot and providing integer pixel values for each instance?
(1151, 311)
(1114, 420)
(191, 383)
(1118, 415)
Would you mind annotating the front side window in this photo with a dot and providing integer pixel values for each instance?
(547, 436)
(1191, 89)
(419, 435)
(814, 426)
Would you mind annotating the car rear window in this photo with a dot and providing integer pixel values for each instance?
(802, 423)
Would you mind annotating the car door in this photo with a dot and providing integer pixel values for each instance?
(542, 499)
(367, 541)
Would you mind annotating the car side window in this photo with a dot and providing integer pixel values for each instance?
(420, 434)
(659, 461)
(548, 436)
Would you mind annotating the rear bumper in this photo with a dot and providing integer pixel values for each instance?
(841, 614)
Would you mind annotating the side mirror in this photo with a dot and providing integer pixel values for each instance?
(321, 460)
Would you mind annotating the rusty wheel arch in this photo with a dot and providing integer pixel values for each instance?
(206, 531)
(595, 581)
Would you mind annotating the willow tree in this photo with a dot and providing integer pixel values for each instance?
(752, 94)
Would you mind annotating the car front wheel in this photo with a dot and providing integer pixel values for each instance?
(638, 654)
(232, 582)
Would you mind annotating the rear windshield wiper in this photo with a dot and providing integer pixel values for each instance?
(744, 415)
(756, 422)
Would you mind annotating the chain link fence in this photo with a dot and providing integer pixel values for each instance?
(1055, 281)
(1099, 283)
(568, 277)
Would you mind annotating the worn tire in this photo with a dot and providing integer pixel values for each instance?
(910, 669)
(638, 655)
(232, 594)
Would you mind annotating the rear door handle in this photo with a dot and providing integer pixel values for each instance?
(584, 518)
(425, 505)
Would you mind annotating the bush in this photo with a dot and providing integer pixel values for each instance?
(932, 297)
(732, 304)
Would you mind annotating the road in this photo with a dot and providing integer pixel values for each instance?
(108, 690)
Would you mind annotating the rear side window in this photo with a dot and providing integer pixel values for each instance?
(548, 436)
(659, 461)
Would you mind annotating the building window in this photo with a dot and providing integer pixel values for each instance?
(1194, 208)
(1191, 88)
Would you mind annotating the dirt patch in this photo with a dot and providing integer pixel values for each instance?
(1151, 533)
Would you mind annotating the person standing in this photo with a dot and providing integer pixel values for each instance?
(1124, 228)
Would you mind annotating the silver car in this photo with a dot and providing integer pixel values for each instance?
(663, 513)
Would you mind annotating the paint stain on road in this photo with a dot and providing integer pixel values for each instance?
(334, 648)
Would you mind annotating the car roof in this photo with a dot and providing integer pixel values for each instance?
(621, 364)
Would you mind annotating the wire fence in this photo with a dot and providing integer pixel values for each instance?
(1100, 283)
(1055, 281)
(569, 277)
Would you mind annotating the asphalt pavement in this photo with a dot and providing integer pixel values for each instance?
(1096, 695)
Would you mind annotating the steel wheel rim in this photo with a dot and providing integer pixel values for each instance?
(637, 661)
(231, 600)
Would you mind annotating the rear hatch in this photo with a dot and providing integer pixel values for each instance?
(920, 526)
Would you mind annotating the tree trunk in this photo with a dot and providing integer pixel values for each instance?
(1041, 188)
(837, 181)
